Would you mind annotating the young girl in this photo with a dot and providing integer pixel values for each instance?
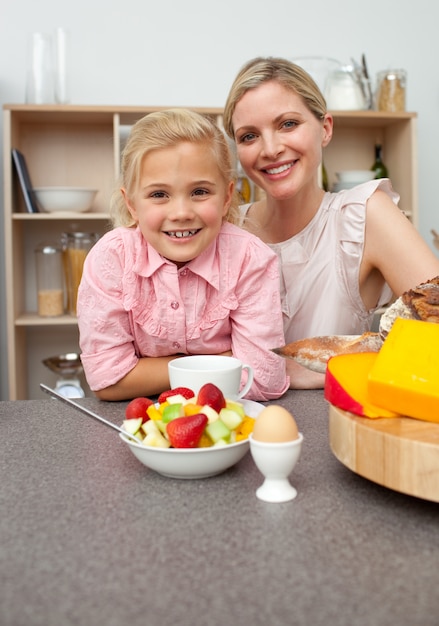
(341, 254)
(174, 276)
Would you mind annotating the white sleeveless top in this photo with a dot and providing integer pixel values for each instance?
(320, 267)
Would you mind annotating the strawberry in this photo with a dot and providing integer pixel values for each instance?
(212, 396)
(138, 408)
(185, 432)
(182, 391)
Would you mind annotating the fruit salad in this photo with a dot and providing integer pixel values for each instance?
(181, 419)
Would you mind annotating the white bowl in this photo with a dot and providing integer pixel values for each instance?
(355, 176)
(61, 199)
(341, 186)
(194, 462)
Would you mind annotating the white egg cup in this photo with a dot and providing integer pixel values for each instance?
(276, 461)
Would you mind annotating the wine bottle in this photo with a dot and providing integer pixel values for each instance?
(325, 183)
(379, 167)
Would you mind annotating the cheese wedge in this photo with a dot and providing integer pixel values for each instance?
(405, 375)
(346, 385)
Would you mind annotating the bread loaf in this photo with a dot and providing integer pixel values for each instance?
(421, 303)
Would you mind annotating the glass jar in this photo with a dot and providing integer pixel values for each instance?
(40, 87)
(344, 91)
(50, 282)
(76, 246)
(243, 186)
(391, 88)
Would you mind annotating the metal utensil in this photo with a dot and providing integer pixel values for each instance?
(86, 411)
(360, 78)
(367, 78)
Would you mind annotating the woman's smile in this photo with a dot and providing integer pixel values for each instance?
(278, 170)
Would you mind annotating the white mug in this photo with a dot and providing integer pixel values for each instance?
(223, 371)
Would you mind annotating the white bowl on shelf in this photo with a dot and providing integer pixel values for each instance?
(65, 199)
(355, 176)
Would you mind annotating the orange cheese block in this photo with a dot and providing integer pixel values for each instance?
(405, 375)
(346, 384)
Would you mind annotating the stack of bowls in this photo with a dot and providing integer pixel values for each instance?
(351, 178)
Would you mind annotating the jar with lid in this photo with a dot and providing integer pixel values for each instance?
(391, 90)
(50, 280)
(75, 247)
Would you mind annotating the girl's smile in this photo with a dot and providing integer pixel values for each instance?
(182, 234)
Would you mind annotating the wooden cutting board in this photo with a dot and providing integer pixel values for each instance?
(399, 453)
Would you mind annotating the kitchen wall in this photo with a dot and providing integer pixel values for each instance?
(186, 52)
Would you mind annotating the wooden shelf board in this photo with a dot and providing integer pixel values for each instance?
(33, 319)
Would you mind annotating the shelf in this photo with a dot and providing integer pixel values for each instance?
(33, 319)
(370, 118)
(70, 145)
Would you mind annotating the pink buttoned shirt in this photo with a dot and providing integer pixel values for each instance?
(134, 303)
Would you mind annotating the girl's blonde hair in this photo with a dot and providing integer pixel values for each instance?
(164, 129)
(264, 69)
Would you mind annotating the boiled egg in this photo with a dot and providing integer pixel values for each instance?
(275, 425)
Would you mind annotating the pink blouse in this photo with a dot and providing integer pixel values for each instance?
(133, 303)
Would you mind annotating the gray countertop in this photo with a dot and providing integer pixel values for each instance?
(89, 536)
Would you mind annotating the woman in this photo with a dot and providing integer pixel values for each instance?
(341, 254)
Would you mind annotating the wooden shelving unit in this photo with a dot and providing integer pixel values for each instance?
(81, 146)
(352, 147)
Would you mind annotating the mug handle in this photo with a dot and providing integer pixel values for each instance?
(249, 382)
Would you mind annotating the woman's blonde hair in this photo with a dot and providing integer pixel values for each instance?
(164, 129)
(264, 69)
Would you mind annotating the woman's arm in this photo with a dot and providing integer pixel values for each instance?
(394, 251)
(303, 378)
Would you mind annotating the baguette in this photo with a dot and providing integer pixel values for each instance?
(421, 303)
(314, 353)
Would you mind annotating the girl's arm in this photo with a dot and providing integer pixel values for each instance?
(257, 324)
(148, 378)
(394, 251)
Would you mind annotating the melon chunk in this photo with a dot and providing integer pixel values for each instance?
(346, 385)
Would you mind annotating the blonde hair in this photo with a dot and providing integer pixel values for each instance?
(264, 69)
(164, 129)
